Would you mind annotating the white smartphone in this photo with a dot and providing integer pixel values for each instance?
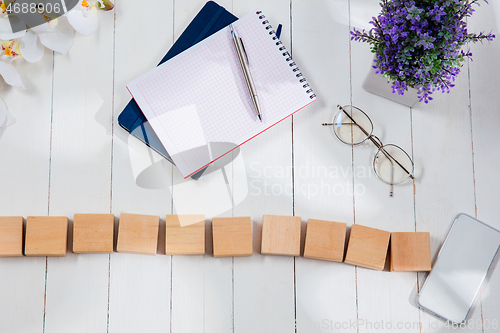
(460, 268)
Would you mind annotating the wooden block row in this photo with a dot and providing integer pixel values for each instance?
(367, 247)
(185, 234)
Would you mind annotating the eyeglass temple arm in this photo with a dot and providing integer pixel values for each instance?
(375, 142)
(391, 193)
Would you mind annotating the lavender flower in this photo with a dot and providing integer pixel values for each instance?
(418, 43)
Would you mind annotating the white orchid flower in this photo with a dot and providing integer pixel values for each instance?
(83, 17)
(8, 53)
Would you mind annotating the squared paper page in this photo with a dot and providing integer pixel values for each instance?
(198, 103)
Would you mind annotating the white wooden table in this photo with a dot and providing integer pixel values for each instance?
(66, 154)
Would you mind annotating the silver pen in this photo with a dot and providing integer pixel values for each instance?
(244, 63)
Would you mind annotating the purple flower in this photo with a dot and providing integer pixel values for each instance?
(419, 43)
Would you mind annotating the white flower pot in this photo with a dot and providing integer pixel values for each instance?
(379, 85)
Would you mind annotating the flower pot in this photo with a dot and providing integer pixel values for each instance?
(379, 85)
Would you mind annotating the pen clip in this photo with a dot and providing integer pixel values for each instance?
(244, 51)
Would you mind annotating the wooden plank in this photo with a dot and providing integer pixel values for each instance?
(140, 176)
(25, 151)
(323, 167)
(485, 122)
(201, 285)
(445, 187)
(373, 205)
(264, 285)
(80, 176)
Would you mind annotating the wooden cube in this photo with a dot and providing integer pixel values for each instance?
(11, 236)
(189, 239)
(325, 240)
(46, 236)
(232, 236)
(367, 247)
(138, 233)
(410, 251)
(281, 235)
(93, 233)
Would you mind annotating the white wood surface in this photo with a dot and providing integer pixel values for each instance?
(67, 154)
(484, 78)
(25, 190)
(81, 184)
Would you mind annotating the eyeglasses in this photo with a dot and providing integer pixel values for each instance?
(391, 163)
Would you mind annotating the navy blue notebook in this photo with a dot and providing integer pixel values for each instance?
(208, 21)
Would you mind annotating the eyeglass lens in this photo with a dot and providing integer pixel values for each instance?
(352, 126)
(392, 164)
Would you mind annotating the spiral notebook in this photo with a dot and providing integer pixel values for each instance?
(198, 104)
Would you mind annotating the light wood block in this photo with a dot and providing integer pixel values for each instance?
(189, 239)
(232, 236)
(281, 235)
(325, 240)
(93, 233)
(138, 233)
(46, 236)
(410, 252)
(11, 236)
(367, 247)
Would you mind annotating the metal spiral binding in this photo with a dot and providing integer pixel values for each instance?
(292, 64)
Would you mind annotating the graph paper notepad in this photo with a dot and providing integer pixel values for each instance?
(198, 103)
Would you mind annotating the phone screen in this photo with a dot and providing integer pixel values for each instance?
(459, 271)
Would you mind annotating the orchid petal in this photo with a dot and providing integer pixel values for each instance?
(81, 23)
(5, 118)
(6, 30)
(59, 38)
(30, 47)
(10, 75)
